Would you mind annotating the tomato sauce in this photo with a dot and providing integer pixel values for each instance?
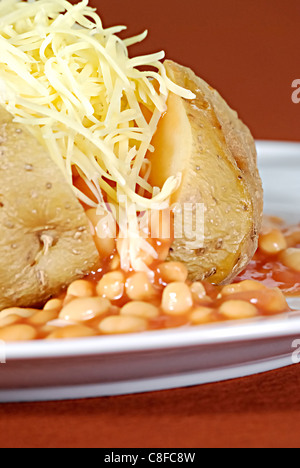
(271, 271)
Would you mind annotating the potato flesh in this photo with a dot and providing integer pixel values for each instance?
(45, 239)
(192, 140)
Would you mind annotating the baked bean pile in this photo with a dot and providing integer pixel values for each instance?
(120, 303)
(115, 302)
(277, 260)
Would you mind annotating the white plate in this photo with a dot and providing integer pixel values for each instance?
(182, 357)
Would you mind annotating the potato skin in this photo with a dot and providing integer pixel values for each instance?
(221, 173)
(45, 239)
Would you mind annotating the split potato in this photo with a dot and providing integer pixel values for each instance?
(45, 239)
(205, 141)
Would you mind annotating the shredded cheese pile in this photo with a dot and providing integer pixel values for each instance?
(75, 87)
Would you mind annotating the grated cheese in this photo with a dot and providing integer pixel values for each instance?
(73, 84)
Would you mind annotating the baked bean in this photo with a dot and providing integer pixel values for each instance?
(139, 287)
(115, 263)
(273, 302)
(9, 320)
(268, 301)
(201, 315)
(24, 313)
(59, 323)
(53, 304)
(19, 332)
(177, 299)
(198, 292)
(171, 272)
(293, 238)
(112, 285)
(140, 309)
(122, 324)
(291, 258)
(74, 331)
(81, 288)
(234, 310)
(68, 299)
(46, 330)
(247, 285)
(84, 309)
(105, 246)
(43, 316)
(272, 242)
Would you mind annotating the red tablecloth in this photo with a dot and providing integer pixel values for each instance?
(258, 411)
(249, 50)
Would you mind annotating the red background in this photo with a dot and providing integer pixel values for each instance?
(249, 50)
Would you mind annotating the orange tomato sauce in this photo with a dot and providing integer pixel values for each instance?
(270, 270)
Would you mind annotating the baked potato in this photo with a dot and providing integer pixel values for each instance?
(45, 239)
(205, 141)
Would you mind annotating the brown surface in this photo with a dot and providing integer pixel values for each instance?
(249, 51)
(258, 411)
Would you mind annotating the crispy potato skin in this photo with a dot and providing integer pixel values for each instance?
(219, 170)
(45, 239)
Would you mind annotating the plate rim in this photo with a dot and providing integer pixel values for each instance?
(261, 328)
(138, 386)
